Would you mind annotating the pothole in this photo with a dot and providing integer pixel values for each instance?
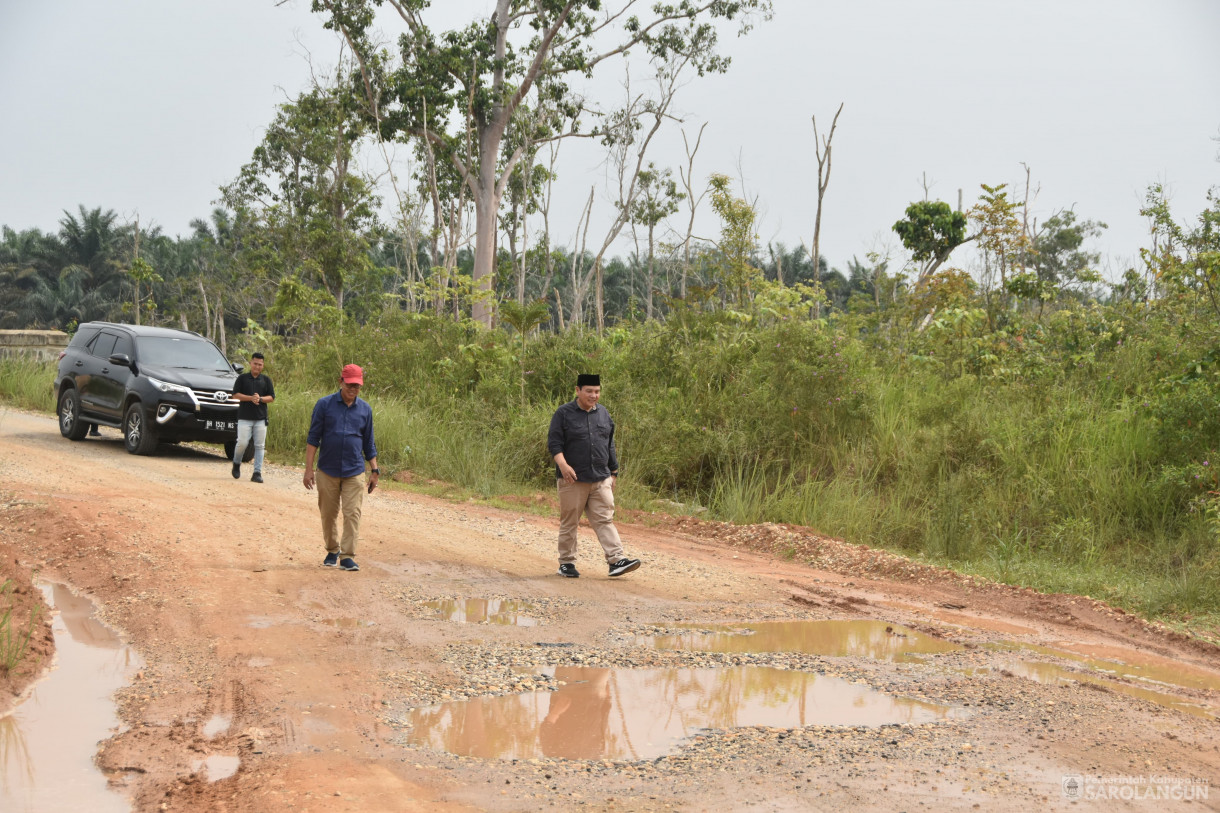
(1052, 674)
(861, 638)
(48, 743)
(217, 766)
(1134, 666)
(217, 725)
(504, 612)
(632, 714)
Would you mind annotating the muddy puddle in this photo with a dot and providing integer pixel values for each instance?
(217, 766)
(47, 744)
(1129, 665)
(1148, 677)
(878, 640)
(630, 714)
(505, 612)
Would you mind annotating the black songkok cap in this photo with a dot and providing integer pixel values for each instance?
(588, 380)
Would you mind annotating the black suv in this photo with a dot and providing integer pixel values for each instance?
(154, 383)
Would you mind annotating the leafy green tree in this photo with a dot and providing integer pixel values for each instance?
(658, 198)
(1057, 253)
(1185, 259)
(303, 187)
(1002, 237)
(930, 231)
(461, 90)
(737, 241)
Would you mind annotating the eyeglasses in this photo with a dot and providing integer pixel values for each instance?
(348, 386)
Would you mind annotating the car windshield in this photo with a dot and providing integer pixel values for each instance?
(190, 354)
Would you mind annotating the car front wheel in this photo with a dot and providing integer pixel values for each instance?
(70, 424)
(138, 434)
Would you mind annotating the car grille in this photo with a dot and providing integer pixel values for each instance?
(207, 398)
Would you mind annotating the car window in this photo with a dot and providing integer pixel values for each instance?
(83, 337)
(123, 345)
(104, 346)
(171, 351)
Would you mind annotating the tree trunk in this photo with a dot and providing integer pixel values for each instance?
(651, 273)
(486, 206)
(207, 314)
(220, 328)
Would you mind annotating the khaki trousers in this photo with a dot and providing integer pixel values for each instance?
(335, 493)
(596, 501)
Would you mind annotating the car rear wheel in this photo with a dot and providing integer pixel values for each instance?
(138, 434)
(70, 424)
(231, 447)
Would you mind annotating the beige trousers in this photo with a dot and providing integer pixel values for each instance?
(596, 501)
(335, 493)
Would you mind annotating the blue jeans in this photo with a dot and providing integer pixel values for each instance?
(244, 430)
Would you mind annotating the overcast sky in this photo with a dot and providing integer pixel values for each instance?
(148, 106)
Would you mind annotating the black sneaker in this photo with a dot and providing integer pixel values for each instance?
(331, 560)
(236, 470)
(348, 563)
(569, 570)
(257, 477)
(623, 566)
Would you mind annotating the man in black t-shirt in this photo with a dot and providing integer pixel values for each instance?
(253, 391)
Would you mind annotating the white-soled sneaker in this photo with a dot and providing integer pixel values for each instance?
(623, 566)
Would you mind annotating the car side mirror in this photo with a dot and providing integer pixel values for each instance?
(120, 358)
(238, 368)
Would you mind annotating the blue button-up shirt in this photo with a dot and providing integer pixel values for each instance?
(343, 435)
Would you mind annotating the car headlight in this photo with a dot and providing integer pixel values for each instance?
(165, 386)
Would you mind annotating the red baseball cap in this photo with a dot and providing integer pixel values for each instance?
(352, 374)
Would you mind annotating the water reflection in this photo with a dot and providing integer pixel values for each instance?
(645, 713)
(48, 743)
(866, 639)
(506, 612)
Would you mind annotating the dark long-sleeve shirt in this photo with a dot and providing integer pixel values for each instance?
(586, 440)
(343, 435)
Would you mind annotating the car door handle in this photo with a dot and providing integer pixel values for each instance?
(80, 364)
(105, 370)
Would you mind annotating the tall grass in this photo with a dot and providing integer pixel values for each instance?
(1089, 476)
(27, 383)
(1060, 481)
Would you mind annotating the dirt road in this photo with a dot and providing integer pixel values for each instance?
(314, 678)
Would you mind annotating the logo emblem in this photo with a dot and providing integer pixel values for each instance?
(221, 396)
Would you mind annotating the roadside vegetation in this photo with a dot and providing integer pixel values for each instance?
(982, 398)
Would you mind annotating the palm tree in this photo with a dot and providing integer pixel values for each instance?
(91, 246)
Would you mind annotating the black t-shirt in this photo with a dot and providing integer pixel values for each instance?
(247, 384)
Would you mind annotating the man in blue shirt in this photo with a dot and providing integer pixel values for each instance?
(342, 428)
(581, 442)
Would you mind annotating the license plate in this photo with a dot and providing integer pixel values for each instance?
(221, 425)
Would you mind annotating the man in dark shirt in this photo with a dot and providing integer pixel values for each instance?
(342, 427)
(581, 441)
(253, 391)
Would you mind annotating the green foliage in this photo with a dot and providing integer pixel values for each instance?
(737, 241)
(930, 232)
